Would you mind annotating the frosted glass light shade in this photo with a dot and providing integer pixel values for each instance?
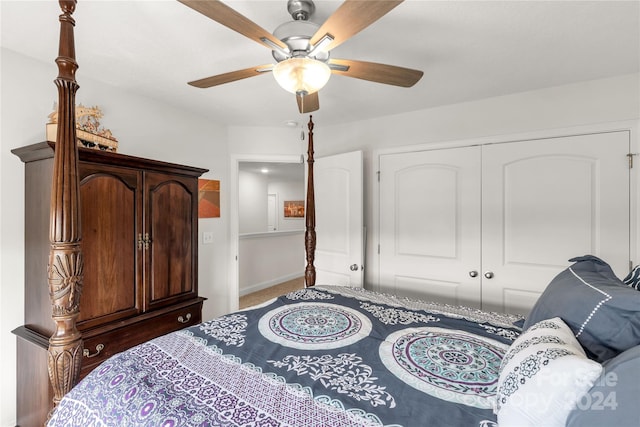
(302, 75)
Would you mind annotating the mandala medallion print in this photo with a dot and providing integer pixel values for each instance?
(451, 365)
(314, 326)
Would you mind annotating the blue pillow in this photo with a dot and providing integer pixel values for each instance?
(613, 399)
(602, 312)
(633, 278)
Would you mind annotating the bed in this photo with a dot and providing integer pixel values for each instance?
(337, 356)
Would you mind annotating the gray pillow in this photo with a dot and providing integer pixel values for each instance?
(613, 399)
(602, 312)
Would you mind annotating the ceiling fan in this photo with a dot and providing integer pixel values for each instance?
(301, 48)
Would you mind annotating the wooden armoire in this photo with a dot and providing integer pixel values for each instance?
(140, 243)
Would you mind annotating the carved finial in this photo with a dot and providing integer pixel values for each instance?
(68, 6)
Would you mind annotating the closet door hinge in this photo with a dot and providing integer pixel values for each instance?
(378, 173)
(378, 248)
(630, 157)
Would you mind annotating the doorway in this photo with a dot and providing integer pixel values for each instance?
(252, 190)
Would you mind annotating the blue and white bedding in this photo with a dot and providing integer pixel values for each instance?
(325, 356)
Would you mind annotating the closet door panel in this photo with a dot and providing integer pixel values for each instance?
(546, 201)
(558, 206)
(430, 224)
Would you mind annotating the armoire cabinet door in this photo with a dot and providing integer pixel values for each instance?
(171, 221)
(111, 199)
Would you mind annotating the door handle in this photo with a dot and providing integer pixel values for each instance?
(473, 273)
(488, 274)
(353, 267)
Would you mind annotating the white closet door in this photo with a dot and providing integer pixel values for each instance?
(546, 201)
(430, 224)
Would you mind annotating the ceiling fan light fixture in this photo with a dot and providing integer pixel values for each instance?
(302, 75)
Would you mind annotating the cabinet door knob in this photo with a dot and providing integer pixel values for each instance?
(353, 267)
(87, 353)
(473, 273)
(488, 274)
(143, 241)
(184, 319)
(147, 240)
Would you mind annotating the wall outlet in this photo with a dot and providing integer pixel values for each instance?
(207, 237)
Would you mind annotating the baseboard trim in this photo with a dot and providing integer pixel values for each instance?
(264, 285)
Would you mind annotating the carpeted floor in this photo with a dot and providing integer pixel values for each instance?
(272, 292)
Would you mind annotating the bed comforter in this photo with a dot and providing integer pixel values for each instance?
(324, 356)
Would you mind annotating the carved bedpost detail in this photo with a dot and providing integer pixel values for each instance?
(65, 269)
(310, 216)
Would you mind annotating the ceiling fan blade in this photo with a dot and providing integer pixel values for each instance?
(374, 72)
(308, 103)
(232, 76)
(228, 17)
(350, 18)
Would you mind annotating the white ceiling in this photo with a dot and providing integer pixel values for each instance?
(467, 49)
(275, 171)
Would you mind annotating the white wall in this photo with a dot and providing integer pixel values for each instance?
(269, 258)
(144, 128)
(253, 188)
(268, 141)
(585, 103)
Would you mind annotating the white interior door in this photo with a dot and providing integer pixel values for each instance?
(430, 225)
(339, 219)
(272, 212)
(546, 201)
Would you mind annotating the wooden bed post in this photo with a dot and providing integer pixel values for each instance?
(65, 269)
(310, 216)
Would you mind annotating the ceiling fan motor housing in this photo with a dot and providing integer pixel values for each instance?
(296, 34)
(301, 9)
